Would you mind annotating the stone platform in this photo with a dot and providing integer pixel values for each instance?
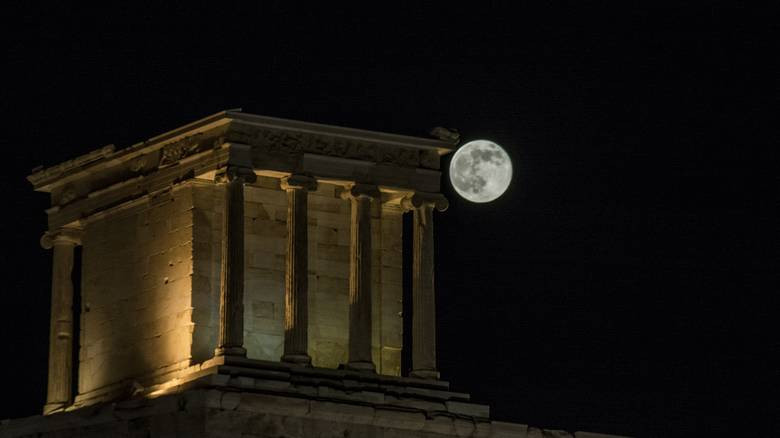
(430, 397)
(427, 397)
(221, 412)
(233, 396)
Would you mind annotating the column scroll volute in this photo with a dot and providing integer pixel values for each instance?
(230, 173)
(297, 181)
(424, 199)
(62, 236)
(359, 190)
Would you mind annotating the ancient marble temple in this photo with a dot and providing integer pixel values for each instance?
(242, 276)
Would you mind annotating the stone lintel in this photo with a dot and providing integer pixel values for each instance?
(116, 182)
(344, 170)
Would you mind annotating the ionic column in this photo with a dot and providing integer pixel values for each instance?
(360, 196)
(296, 284)
(231, 290)
(423, 293)
(60, 384)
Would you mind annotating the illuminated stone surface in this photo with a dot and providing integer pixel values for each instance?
(360, 197)
(204, 243)
(423, 299)
(296, 290)
(231, 286)
(217, 413)
(59, 391)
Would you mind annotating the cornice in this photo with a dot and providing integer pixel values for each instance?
(269, 133)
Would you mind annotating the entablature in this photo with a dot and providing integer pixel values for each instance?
(105, 178)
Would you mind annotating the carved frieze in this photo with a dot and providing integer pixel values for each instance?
(138, 164)
(173, 152)
(279, 141)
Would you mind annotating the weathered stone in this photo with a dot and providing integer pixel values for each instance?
(500, 429)
(256, 236)
(440, 425)
(61, 329)
(296, 296)
(360, 290)
(416, 403)
(424, 310)
(342, 412)
(595, 435)
(468, 409)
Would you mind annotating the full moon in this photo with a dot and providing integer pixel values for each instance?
(480, 171)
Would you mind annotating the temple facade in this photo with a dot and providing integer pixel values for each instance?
(242, 276)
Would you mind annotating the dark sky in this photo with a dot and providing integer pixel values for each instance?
(625, 283)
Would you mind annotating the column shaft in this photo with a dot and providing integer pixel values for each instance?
(60, 382)
(296, 301)
(231, 293)
(61, 329)
(423, 296)
(360, 280)
(423, 292)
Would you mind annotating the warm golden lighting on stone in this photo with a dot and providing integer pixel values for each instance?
(243, 275)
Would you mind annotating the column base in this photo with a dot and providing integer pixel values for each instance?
(298, 359)
(230, 351)
(425, 374)
(50, 408)
(365, 367)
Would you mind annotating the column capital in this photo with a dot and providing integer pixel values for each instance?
(358, 190)
(425, 199)
(233, 173)
(62, 236)
(296, 181)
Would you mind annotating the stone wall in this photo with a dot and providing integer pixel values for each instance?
(265, 211)
(329, 235)
(265, 229)
(387, 231)
(207, 246)
(265, 248)
(329, 222)
(151, 282)
(136, 308)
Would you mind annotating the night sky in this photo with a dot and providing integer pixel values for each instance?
(626, 281)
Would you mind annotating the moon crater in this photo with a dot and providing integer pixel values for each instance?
(480, 171)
